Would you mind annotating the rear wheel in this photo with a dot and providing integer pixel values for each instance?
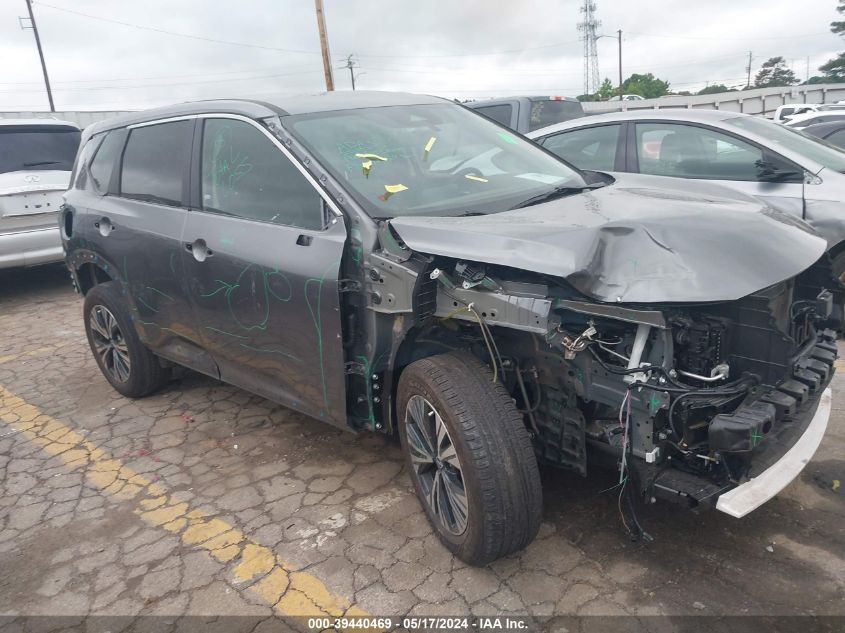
(469, 456)
(132, 369)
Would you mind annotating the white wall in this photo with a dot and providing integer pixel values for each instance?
(82, 119)
(755, 101)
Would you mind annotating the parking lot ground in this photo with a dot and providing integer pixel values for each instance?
(204, 499)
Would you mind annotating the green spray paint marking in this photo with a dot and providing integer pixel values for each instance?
(214, 329)
(156, 290)
(172, 267)
(269, 351)
(654, 403)
(224, 286)
(141, 300)
(317, 319)
(755, 437)
(160, 327)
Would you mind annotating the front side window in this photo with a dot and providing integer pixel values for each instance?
(686, 151)
(587, 148)
(501, 113)
(787, 138)
(104, 160)
(436, 159)
(37, 147)
(244, 174)
(155, 162)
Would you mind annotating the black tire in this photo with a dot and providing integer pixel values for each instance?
(144, 373)
(497, 465)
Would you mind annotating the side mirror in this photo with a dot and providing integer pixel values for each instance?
(768, 171)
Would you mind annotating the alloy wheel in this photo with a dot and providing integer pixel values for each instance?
(109, 343)
(436, 463)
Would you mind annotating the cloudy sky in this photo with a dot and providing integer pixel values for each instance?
(103, 54)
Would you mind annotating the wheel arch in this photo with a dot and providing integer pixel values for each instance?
(90, 274)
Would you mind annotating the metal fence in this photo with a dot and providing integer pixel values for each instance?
(756, 101)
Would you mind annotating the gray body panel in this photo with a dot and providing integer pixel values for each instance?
(631, 242)
(268, 309)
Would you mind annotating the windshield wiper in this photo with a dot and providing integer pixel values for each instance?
(41, 162)
(557, 192)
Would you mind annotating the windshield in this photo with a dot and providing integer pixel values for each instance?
(436, 160)
(793, 140)
(37, 147)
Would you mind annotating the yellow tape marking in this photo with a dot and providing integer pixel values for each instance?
(279, 584)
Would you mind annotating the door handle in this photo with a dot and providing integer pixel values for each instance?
(105, 226)
(304, 240)
(199, 249)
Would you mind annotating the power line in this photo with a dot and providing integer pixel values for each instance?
(288, 50)
(225, 72)
(177, 34)
(726, 39)
(190, 83)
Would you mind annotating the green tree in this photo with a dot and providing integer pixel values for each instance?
(838, 27)
(607, 90)
(647, 86)
(834, 69)
(714, 89)
(775, 72)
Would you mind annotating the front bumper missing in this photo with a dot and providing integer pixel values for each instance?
(752, 494)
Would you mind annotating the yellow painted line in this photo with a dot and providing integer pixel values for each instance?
(277, 583)
(839, 364)
(28, 354)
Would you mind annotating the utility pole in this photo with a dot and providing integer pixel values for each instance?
(324, 45)
(34, 28)
(748, 83)
(619, 32)
(350, 64)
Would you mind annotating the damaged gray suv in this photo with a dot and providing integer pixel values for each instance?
(398, 264)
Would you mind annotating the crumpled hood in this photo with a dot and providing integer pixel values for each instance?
(33, 180)
(632, 241)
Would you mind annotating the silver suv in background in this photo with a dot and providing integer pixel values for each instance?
(525, 114)
(36, 158)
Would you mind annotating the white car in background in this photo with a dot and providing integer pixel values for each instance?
(800, 121)
(36, 158)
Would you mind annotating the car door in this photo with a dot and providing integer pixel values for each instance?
(695, 151)
(262, 252)
(137, 211)
(596, 147)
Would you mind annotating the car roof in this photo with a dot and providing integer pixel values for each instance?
(497, 100)
(281, 106)
(32, 122)
(679, 114)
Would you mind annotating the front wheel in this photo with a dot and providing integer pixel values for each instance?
(469, 456)
(132, 369)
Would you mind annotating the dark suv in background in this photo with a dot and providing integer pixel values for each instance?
(526, 114)
(396, 263)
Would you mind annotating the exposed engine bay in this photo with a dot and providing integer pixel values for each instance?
(684, 400)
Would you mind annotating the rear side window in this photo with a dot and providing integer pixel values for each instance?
(37, 147)
(155, 162)
(245, 175)
(587, 148)
(550, 111)
(103, 164)
(837, 138)
(501, 113)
